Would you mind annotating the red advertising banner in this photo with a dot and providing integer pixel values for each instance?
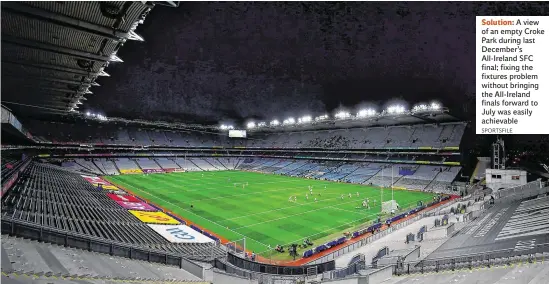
(169, 170)
(96, 181)
(123, 198)
(8, 184)
(141, 206)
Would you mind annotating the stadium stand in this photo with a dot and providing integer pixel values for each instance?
(526, 273)
(107, 166)
(146, 163)
(125, 165)
(395, 137)
(443, 179)
(52, 197)
(166, 163)
(38, 258)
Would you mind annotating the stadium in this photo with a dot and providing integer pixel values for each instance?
(396, 191)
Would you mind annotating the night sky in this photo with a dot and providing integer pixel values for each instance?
(208, 62)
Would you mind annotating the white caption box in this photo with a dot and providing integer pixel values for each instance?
(512, 75)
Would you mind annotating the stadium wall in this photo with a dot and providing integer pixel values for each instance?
(225, 278)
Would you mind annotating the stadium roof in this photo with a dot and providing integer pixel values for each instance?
(53, 52)
(405, 119)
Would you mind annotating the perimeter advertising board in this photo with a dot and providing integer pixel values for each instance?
(149, 171)
(96, 181)
(131, 171)
(180, 234)
(154, 217)
(123, 198)
(141, 206)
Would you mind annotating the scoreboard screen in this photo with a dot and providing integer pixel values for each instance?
(237, 133)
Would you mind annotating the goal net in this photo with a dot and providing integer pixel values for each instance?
(237, 247)
(388, 206)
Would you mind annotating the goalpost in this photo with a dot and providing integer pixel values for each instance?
(237, 247)
(388, 206)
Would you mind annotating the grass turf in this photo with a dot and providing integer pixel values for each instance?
(260, 211)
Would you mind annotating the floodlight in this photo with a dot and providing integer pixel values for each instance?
(304, 119)
(224, 127)
(275, 123)
(366, 113)
(397, 109)
(251, 124)
(88, 113)
(435, 106)
(342, 115)
(289, 121)
(322, 117)
(262, 124)
(420, 107)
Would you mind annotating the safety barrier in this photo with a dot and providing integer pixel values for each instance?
(519, 192)
(352, 247)
(485, 259)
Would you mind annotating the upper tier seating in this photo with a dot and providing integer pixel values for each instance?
(445, 135)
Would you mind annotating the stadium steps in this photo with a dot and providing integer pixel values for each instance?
(84, 167)
(166, 138)
(281, 161)
(435, 178)
(225, 165)
(238, 162)
(137, 163)
(191, 161)
(397, 180)
(214, 166)
(116, 166)
(175, 162)
(286, 173)
(219, 165)
(34, 278)
(343, 178)
(156, 162)
(29, 258)
(104, 172)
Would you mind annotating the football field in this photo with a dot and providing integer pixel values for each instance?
(234, 205)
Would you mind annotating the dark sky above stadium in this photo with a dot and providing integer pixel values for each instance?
(208, 62)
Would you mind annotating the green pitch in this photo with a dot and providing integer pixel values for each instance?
(256, 206)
